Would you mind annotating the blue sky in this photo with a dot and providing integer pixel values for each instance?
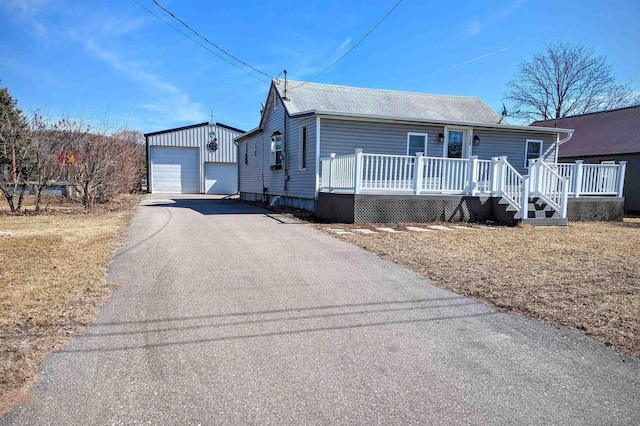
(113, 61)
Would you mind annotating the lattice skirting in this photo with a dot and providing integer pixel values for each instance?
(347, 208)
(390, 208)
(595, 209)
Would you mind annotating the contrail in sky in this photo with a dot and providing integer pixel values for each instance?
(472, 60)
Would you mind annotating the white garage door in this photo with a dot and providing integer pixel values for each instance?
(220, 178)
(175, 170)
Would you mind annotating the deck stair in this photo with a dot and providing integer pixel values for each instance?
(539, 213)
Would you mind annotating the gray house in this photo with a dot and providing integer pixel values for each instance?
(318, 145)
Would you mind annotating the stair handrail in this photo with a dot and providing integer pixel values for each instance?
(510, 184)
(550, 186)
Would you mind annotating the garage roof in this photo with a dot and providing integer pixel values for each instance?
(616, 131)
(193, 126)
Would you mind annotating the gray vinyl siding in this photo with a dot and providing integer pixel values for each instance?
(344, 136)
(198, 137)
(273, 179)
(257, 174)
(251, 172)
(301, 183)
(496, 143)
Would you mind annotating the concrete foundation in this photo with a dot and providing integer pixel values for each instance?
(277, 200)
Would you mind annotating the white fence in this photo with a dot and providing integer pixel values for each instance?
(553, 182)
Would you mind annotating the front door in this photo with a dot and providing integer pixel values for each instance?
(456, 144)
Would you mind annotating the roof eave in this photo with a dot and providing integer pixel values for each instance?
(329, 114)
(192, 126)
(247, 134)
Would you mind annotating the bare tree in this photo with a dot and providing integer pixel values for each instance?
(565, 80)
(51, 150)
(105, 166)
(14, 150)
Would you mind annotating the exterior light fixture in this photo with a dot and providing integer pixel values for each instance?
(476, 139)
(441, 137)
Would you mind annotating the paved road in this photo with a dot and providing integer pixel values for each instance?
(228, 316)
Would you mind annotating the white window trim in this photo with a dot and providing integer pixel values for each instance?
(426, 141)
(300, 145)
(466, 143)
(276, 152)
(526, 151)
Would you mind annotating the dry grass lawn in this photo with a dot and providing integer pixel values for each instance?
(585, 276)
(52, 270)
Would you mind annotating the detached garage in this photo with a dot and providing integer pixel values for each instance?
(197, 159)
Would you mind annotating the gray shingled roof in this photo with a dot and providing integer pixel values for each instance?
(330, 98)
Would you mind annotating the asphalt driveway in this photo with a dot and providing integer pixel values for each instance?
(228, 315)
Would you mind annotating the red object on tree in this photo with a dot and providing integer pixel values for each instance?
(68, 158)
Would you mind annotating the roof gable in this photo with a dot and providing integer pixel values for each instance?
(602, 133)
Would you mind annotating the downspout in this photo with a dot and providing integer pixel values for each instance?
(146, 141)
(569, 136)
(235, 142)
(561, 141)
(318, 175)
(286, 150)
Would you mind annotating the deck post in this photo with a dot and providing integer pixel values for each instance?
(577, 177)
(622, 168)
(495, 177)
(332, 157)
(524, 208)
(503, 174)
(357, 184)
(565, 198)
(534, 168)
(472, 189)
(418, 173)
(533, 186)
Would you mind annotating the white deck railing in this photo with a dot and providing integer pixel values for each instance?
(387, 172)
(552, 182)
(592, 179)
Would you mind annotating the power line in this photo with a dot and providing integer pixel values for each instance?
(200, 44)
(210, 42)
(350, 50)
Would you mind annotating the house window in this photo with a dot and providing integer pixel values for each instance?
(534, 150)
(303, 147)
(277, 145)
(246, 158)
(416, 142)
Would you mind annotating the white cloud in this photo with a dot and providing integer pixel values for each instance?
(27, 7)
(475, 26)
(113, 26)
(471, 28)
(309, 56)
(28, 12)
(344, 44)
(168, 100)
